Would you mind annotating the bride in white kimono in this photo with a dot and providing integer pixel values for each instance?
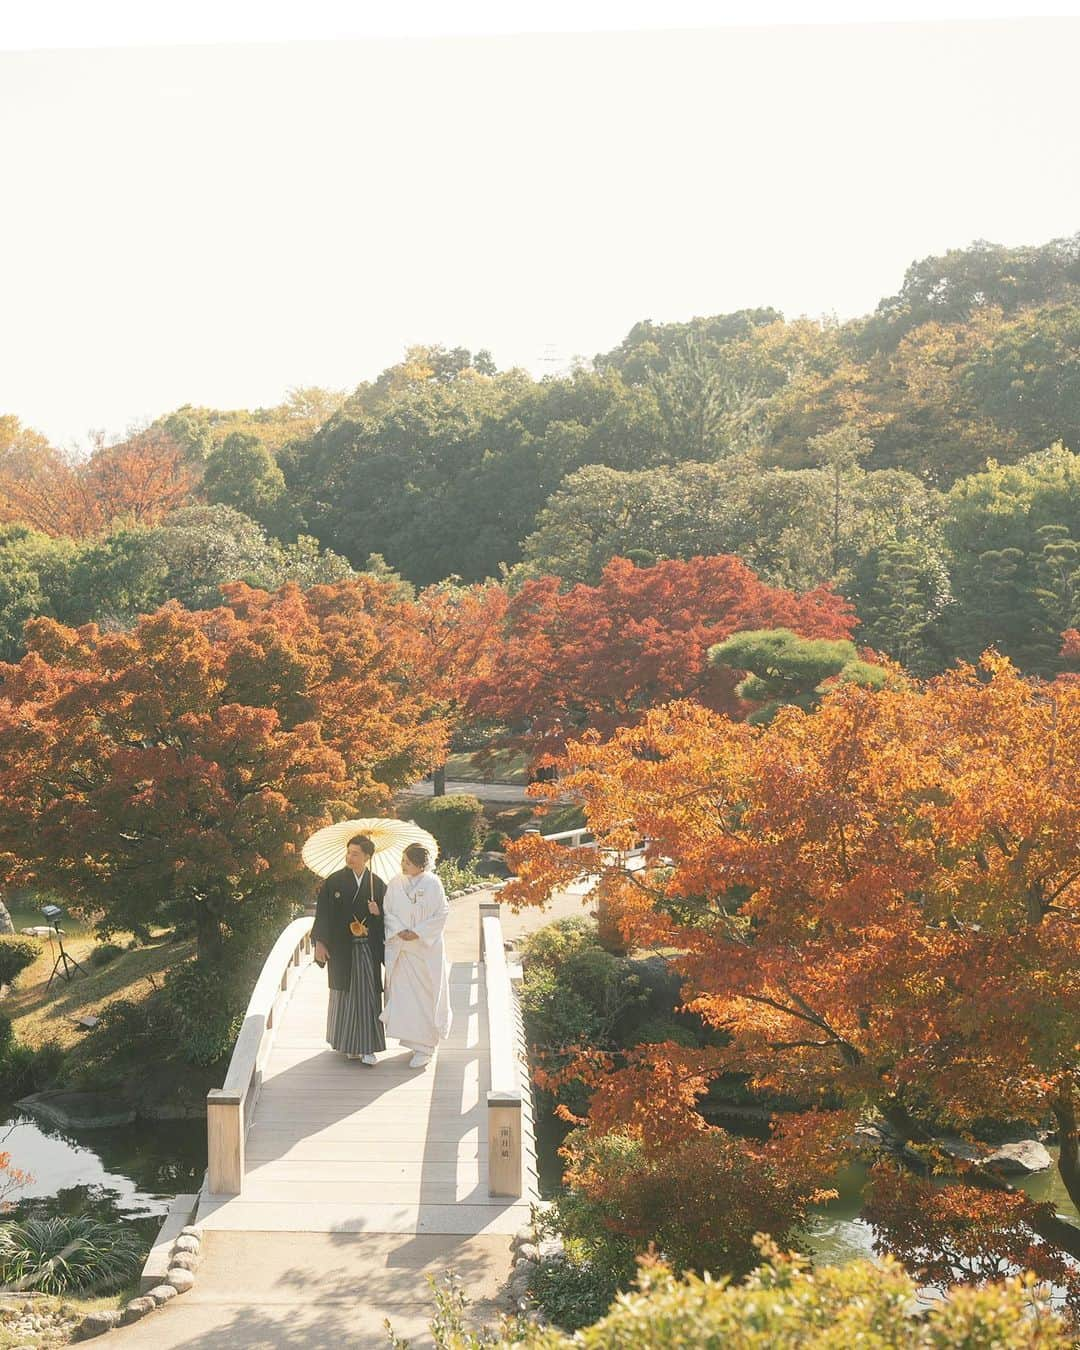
(417, 1011)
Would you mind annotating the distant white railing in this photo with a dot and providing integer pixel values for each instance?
(229, 1108)
(572, 838)
(631, 859)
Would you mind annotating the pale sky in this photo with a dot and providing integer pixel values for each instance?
(219, 221)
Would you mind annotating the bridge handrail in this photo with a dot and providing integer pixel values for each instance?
(229, 1108)
(506, 1099)
(501, 1046)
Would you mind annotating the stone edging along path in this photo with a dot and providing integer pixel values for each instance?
(183, 1262)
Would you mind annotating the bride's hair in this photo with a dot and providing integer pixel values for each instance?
(418, 855)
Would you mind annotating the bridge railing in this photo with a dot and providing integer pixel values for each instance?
(630, 859)
(229, 1108)
(508, 1096)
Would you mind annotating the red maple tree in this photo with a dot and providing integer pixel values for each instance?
(176, 769)
(878, 904)
(597, 657)
(139, 480)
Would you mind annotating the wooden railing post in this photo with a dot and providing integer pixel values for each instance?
(504, 1143)
(224, 1141)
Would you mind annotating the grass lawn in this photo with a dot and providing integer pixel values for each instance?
(506, 767)
(26, 912)
(38, 1018)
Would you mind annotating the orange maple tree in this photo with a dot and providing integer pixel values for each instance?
(598, 656)
(877, 904)
(175, 770)
(139, 480)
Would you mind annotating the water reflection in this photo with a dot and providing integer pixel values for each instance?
(128, 1171)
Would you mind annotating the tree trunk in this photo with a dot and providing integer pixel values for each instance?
(208, 934)
(1065, 1114)
(6, 926)
(439, 782)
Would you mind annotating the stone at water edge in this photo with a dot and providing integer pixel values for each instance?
(1027, 1155)
(552, 1249)
(528, 1251)
(181, 1280)
(521, 1236)
(138, 1307)
(186, 1244)
(192, 1230)
(1016, 1159)
(161, 1293)
(184, 1260)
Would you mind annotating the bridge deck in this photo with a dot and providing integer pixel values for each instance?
(336, 1146)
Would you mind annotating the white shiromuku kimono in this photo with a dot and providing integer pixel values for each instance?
(417, 1011)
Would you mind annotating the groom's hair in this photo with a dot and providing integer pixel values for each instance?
(361, 841)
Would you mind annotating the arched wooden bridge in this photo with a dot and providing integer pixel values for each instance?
(333, 1188)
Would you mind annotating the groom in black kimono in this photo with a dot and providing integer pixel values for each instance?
(348, 937)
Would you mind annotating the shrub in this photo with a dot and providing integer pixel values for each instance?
(207, 1004)
(495, 841)
(456, 821)
(571, 1293)
(456, 876)
(699, 1201)
(23, 1069)
(552, 944)
(16, 953)
(128, 1035)
(782, 1306)
(657, 1030)
(68, 1253)
(573, 991)
(105, 952)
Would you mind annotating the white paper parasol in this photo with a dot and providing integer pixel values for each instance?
(324, 852)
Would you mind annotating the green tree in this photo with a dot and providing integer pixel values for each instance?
(35, 578)
(708, 408)
(1009, 536)
(1027, 375)
(902, 594)
(950, 287)
(785, 668)
(446, 478)
(840, 454)
(243, 474)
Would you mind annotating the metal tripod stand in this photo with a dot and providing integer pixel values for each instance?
(64, 965)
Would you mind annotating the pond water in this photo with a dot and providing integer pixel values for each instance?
(836, 1233)
(128, 1172)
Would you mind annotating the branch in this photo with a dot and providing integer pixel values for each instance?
(798, 1045)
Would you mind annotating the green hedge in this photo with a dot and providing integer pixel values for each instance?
(456, 821)
(16, 953)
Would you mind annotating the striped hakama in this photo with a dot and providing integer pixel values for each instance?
(352, 1018)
